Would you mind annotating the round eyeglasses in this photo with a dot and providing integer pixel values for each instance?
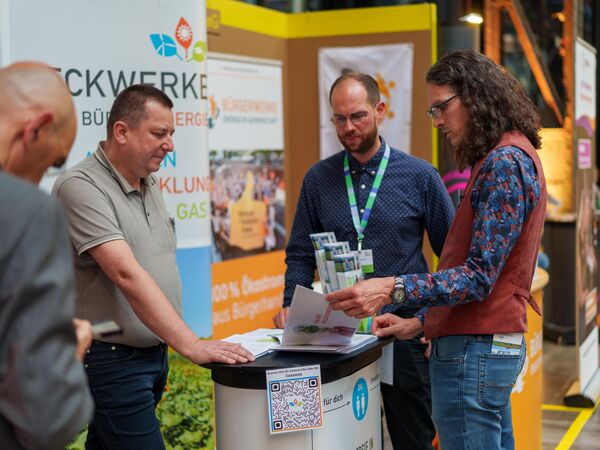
(436, 110)
(357, 118)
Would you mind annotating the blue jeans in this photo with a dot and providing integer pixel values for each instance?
(470, 390)
(127, 383)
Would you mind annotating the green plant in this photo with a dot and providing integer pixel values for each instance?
(186, 409)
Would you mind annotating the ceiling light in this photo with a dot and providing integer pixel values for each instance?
(474, 18)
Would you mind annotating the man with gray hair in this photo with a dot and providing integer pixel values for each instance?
(44, 398)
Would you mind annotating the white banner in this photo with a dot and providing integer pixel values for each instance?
(585, 84)
(100, 48)
(246, 155)
(392, 68)
(246, 103)
(99, 53)
(586, 270)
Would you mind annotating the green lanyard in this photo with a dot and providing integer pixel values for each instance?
(361, 224)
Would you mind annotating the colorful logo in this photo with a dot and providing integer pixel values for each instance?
(214, 112)
(360, 399)
(166, 45)
(295, 403)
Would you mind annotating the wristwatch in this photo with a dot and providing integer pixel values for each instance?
(397, 294)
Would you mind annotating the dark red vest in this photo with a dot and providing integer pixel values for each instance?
(505, 309)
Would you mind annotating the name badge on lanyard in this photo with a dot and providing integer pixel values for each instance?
(365, 256)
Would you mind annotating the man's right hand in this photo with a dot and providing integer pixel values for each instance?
(204, 352)
(280, 318)
(83, 332)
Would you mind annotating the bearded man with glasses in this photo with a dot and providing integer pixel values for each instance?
(408, 198)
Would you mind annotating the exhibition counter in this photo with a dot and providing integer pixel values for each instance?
(242, 402)
(351, 402)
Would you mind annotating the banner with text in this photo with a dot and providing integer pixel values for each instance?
(248, 191)
(586, 264)
(99, 53)
(393, 72)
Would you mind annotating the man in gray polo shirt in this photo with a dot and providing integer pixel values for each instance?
(124, 245)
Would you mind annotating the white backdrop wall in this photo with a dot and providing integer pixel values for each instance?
(100, 48)
(392, 68)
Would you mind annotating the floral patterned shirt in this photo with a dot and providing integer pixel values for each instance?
(505, 192)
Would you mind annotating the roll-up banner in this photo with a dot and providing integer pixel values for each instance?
(248, 191)
(586, 264)
(102, 47)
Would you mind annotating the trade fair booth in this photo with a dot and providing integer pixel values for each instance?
(248, 86)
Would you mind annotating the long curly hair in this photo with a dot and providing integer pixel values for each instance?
(495, 100)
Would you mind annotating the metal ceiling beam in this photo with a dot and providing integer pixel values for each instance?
(526, 39)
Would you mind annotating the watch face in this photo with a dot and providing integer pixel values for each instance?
(398, 295)
(398, 292)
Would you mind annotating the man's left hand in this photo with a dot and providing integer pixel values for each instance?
(363, 299)
(391, 325)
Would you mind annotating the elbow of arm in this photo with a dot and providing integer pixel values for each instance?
(482, 289)
(482, 282)
(123, 276)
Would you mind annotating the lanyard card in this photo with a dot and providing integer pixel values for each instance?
(366, 261)
(507, 343)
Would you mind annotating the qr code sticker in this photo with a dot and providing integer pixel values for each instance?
(295, 404)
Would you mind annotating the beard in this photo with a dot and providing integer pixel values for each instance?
(363, 145)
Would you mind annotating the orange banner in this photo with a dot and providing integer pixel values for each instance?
(246, 293)
(527, 394)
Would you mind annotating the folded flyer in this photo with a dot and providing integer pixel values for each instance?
(313, 325)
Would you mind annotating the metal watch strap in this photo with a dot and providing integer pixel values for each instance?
(397, 294)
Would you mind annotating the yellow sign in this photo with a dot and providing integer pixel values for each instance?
(557, 160)
(526, 399)
(248, 219)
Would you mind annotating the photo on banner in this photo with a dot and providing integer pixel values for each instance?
(245, 119)
(392, 67)
(247, 203)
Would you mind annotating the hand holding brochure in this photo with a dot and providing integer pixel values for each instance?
(312, 325)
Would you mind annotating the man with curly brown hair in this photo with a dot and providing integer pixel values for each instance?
(478, 298)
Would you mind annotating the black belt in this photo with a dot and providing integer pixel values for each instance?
(162, 345)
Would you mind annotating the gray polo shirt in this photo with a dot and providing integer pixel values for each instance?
(102, 206)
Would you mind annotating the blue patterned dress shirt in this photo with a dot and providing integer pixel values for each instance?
(505, 192)
(412, 199)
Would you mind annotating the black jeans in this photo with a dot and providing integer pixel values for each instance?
(127, 383)
(407, 403)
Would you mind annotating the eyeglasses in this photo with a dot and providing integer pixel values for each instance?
(357, 118)
(436, 110)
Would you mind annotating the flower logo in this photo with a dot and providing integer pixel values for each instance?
(214, 111)
(166, 46)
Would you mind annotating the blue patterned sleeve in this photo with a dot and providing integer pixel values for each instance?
(504, 194)
(420, 314)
